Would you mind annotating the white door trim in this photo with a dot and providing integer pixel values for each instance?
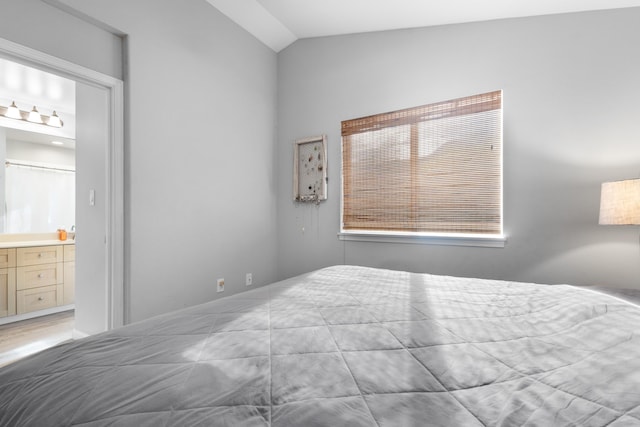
(114, 283)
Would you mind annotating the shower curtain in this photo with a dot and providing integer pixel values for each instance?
(39, 199)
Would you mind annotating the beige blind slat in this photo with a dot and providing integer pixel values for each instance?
(434, 168)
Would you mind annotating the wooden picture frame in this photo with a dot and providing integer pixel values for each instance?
(310, 169)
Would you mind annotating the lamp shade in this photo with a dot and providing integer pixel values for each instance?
(34, 116)
(620, 202)
(13, 112)
(54, 120)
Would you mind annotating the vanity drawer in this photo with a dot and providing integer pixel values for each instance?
(39, 298)
(69, 253)
(39, 255)
(7, 258)
(35, 276)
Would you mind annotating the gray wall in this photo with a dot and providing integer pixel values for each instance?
(570, 87)
(200, 183)
(40, 26)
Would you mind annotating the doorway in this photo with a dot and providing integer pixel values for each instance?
(100, 189)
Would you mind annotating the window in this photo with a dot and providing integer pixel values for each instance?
(434, 169)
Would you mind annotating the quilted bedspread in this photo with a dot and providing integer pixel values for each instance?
(349, 346)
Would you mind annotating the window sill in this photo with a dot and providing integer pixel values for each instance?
(488, 241)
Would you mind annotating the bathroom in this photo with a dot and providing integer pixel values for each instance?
(37, 194)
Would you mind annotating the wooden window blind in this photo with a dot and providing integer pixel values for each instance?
(431, 169)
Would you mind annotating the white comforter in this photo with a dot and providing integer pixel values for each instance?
(349, 346)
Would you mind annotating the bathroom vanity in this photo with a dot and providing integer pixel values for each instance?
(37, 275)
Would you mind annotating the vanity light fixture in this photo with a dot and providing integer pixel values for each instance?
(33, 116)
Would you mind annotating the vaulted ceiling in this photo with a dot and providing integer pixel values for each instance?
(278, 23)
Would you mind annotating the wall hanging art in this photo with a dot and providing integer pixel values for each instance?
(310, 169)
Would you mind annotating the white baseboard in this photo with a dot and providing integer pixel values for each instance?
(34, 314)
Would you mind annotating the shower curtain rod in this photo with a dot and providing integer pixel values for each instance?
(27, 165)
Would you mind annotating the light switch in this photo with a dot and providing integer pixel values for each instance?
(92, 197)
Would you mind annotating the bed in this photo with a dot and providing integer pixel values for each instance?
(349, 346)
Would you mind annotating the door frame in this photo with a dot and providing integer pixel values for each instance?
(114, 239)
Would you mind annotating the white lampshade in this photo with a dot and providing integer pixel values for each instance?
(54, 121)
(620, 202)
(13, 112)
(34, 116)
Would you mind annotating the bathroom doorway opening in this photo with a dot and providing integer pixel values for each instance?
(99, 177)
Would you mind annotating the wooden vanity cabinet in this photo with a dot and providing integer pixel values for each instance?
(36, 278)
(7, 282)
(69, 274)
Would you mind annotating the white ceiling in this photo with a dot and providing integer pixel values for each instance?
(19, 135)
(278, 23)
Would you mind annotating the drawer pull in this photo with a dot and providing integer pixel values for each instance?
(40, 298)
(40, 276)
(40, 255)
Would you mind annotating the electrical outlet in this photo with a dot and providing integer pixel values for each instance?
(249, 279)
(220, 285)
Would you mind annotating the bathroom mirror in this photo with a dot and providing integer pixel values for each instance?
(37, 194)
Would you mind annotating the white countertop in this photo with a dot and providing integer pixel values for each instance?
(29, 243)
